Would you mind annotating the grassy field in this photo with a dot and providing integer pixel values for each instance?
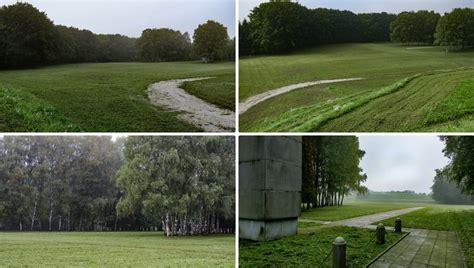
(448, 218)
(402, 90)
(125, 249)
(396, 197)
(313, 248)
(351, 210)
(109, 97)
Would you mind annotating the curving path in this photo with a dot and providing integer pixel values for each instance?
(254, 100)
(196, 111)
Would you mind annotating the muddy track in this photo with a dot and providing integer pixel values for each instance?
(195, 111)
(254, 100)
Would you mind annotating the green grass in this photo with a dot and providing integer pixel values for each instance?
(313, 249)
(105, 97)
(124, 249)
(219, 91)
(351, 210)
(444, 217)
(384, 67)
(397, 197)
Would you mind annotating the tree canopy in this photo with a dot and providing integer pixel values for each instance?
(164, 45)
(331, 170)
(96, 184)
(456, 29)
(460, 150)
(210, 40)
(446, 191)
(414, 27)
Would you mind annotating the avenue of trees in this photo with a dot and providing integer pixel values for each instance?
(331, 170)
(446, 191)
(282, 26)
(135, 183)
(28, 38)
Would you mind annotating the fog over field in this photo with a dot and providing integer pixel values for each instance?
(367, 6)
(401, 162)
(132, 17)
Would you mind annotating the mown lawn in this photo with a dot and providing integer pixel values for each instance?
(104, 97)
(124, 249)
(216, 91)
(381, 65)
(444, 217)
(351, 210)
(313, 249)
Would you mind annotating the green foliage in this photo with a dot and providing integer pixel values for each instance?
(448, 218)
(107, 97)
(394, 196)
(455, 29)
(111, 249)
(27, 37)
(184, 183)
(210, 39)
(447, 192)
(218, 91)
(156, 45)
(459, 149)
(328, 174)
(414, 27)
(314, 249)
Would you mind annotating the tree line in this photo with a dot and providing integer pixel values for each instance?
(282, 26)
(135, 183)
(331, 170)
(28, 38)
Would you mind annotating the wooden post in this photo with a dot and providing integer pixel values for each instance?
(380, 232)
(339, 253)
(398, 225)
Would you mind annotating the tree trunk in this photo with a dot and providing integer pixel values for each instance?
(33, 215)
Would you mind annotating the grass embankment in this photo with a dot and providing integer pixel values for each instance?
(385, 69)
(216, 91)
(109, 97)
(124, 249)
(444, 217)
(313, 249)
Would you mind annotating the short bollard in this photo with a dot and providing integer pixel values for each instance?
(380, 234)
(398, 225)
(339, 253)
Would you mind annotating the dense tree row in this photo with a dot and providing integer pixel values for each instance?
(28, 38)
(283, 26)
(460, 151)
(71, 184)
(331, 170)
(446, 191)
(187, 191)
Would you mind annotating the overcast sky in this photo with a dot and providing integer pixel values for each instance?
(401, 162)
(361, 6)
(132, 17)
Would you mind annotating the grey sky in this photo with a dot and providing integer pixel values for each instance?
(401, 162)
(361, 6)
(132, 17)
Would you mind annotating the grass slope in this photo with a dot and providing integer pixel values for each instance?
(109, 97)
(313, 249)
(448, 218)
(217, 91)
(382, 66)
(125, 249)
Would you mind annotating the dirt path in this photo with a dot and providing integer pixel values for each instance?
(254, 100)
(196, 111)
(365, 221)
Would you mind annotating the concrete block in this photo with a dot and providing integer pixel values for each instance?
(252, 205)
(252, 175)
(251, 148)
(282, 205)
(266, 230)
(281, 176)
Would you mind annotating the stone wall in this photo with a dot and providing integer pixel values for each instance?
(269, 186)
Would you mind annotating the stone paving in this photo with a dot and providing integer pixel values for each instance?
(424, 248)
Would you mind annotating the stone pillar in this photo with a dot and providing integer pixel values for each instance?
(269, 186)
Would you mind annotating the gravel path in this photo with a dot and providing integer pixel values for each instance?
(365, 221)
(254, 100)
(196, 111)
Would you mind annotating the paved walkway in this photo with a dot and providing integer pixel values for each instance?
(424, 248)
(365, 221)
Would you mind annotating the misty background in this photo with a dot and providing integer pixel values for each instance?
(130, 18)
(398, 163)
